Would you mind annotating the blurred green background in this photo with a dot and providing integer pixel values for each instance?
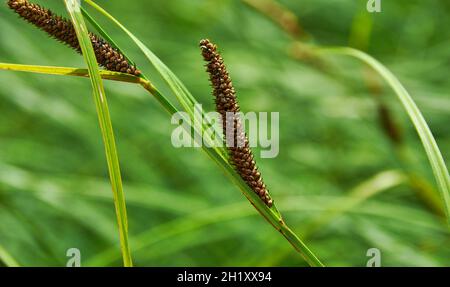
(54, 187)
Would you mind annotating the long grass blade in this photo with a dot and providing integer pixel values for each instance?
(429, 143)
(73, 7)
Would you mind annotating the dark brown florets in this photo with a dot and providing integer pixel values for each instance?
(226, 103)
(63, 30)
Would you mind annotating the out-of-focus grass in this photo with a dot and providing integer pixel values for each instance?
(53, 192)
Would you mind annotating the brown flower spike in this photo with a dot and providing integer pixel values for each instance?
(226, 103)
(63, 30)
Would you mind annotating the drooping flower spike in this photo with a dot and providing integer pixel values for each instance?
(63, 30)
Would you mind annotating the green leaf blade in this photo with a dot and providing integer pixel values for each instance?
(434, 155)
(73, 7)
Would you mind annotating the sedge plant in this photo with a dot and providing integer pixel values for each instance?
(125, 70)
(97, 51)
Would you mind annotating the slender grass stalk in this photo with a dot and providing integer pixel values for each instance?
(73, 7)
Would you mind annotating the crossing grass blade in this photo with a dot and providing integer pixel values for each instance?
(69, 71)
(103, 33)
(73, 7)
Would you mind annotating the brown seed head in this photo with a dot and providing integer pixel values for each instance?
(63, 30)
(226, 102)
